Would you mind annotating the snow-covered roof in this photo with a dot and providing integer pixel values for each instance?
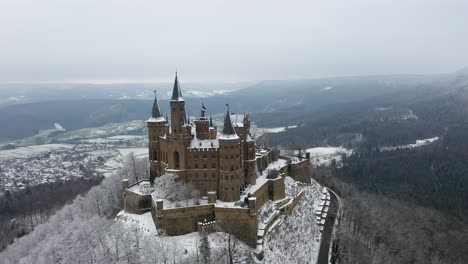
(204, 143)
(239, 124)
(228, 136)
(157, 119)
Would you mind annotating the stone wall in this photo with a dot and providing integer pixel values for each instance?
(276, 189)
(136, 203)
(179, 221)
(239, 222)
(289, 207)
(267, 158)
(300, 171)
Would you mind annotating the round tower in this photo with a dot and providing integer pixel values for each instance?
(231, 176)
(157, 127)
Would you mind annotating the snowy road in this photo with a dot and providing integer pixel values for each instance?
(328, 230)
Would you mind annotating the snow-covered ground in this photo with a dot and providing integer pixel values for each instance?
(419, 143)
(138, 152)
(323, 156)
(187, 243)
(25, 152)
(298, 229)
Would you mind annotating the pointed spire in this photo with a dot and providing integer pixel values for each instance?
(176, 93)
(203, 109)
(211, 121)
(156, 110)
(228, 129)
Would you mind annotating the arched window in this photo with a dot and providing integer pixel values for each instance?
(176, 160)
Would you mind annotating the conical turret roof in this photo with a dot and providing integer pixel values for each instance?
(228, 128)
(156, 110)
(176, 92)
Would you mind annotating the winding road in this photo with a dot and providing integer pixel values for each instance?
(328, 229)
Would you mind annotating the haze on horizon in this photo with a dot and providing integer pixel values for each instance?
(218, 41)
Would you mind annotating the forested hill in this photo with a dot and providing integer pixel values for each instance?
(435, 175)
(271, 103)
(395, 118)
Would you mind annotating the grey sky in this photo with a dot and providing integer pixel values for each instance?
(212, 41)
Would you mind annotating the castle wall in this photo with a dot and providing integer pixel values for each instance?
(136, 203)
(289, 207)
(179, 221)
(300, 171)
(239, 222)
(267, 158)
(276, 189)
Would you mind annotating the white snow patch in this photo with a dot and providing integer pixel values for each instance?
(138, 152)
(323, 156)
(419, 143)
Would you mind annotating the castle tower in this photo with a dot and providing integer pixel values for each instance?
(231, 163)
(179, 138)
(202, 125)
(213, 130)
(157, 127)
(177, 109)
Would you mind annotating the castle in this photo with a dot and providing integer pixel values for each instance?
(224, 163)
(233, 176)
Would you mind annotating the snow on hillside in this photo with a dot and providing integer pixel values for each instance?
(419, 143)
(259, 131)
(25, 152)
(323, 156)
(298, 229)
(185, 246)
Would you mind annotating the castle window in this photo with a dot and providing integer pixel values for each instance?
(176, 159)
(232, 167)
(232, 156)
(204, 156)
(226, 177)
(195, 156)
(196, 166)
(213, 165)
(204, 166)
(237, 156)
(232, 177)
(226, 156)
(213, 156)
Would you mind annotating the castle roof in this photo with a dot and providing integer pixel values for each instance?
(204, 143)
(156, 114)
(228, 129)
(176, 93)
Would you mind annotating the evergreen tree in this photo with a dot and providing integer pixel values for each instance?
(204, 249)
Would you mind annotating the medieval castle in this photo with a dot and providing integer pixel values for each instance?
(225, 167)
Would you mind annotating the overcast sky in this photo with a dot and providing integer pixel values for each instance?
(212, 41)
